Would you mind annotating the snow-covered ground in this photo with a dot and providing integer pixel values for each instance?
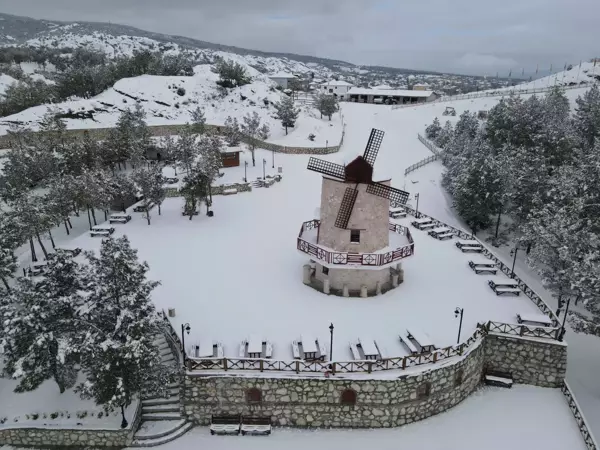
(521, 418)
(170, 99)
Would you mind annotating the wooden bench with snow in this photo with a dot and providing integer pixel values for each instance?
(255, 347)
(100, 230)
(206, 348)
(309, 349)
(369, 348)
(143, 207)
(408, 345)
(498, 378)
(441, 233)
(483, 265)
(225, 424)
(75, 251)
(422, 339)
(230, 191)
(469, 246)
(355, 353)
(119, 218)
(397, 213)
(256, 425)
(36, 269)
(423, 224)
(538, 320)
(504, 286)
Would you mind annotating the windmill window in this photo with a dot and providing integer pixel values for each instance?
(325, 270)
(355, 236)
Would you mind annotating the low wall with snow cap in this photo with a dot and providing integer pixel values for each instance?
(45, 438)
(327, 402)
(538, 361)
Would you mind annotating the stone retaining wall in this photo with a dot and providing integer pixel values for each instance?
(310, 402)
(537, 361)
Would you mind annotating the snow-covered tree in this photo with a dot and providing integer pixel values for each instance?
(287, 113)
(8, 243)
(433, 130)
(444, 136)
(150, 184)
(587, 116)
(198, 120)
(327, 105)
(232, 132)
(186, 149)
(195, 189)
(130, 138)
(41, 334)
(254, 131)
(231, 74)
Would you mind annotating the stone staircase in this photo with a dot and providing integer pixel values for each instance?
(161, 418)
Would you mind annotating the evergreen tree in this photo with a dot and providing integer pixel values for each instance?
(119, 357)
(186, 149)
(232, 132)
(231, 74)
(327, 105)
(444, 136)
(287, 113)
(254, 131)
(130, 138)
(8, 243)
(587, 116)
(433, 130)
(198, 120)
(150, 184)
(195, 188)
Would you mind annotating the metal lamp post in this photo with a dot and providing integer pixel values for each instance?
(184, 327)
(264, 165)
(562, 331)
(124, 421)
(331, 342)
(417, 210)
(273, 157)
(245, 171)
(459, 312)
(516, 250)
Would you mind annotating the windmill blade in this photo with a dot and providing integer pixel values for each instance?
(396, 196)
(346, 207)
(373, 145)
(326, 168)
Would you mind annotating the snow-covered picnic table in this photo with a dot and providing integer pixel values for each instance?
(309, 346)
(503, 286)
(369, 347)
(422, 221)
(398, 212)
(483, 265)
(203, 349)
(421, 338)
(534, 319)
(469, 246)
(255, 345)
(119, 218)
(102, 230)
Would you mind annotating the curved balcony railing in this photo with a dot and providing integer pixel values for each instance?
(358, 259)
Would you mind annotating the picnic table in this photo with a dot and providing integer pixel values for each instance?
(396, 213)
(421, 338)
(309, 346)
(441, 233)
(423, 224)
(368, 347)
(75, 251)
(102, 230)
(410, 347)
(203, 349)
(483, 265)
(469, 246)
(255, 347)
(119, 218)
(504, 286)
(534, 319)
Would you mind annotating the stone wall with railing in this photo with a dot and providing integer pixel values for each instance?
(584, 429)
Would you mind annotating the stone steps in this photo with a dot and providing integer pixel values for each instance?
(152, 440)
(168, 407)
(161, 415)
(161, 401)
(173, 391)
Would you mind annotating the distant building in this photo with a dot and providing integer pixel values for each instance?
(282, 78)
(421, 87)
(230, 156)
(390, 96)
(383, 87)
(338, 89)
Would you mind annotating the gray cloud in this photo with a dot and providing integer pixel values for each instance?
(465, 36)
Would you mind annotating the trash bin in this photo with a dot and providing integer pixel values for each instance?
(210, 213)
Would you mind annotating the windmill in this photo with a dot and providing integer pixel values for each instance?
(359, 171)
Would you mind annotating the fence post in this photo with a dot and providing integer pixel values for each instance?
(224, 363)
(333, 368)
(297, 366)
(261, 365)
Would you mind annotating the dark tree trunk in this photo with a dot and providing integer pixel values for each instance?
(148, 213)
(5, 284)
(286, 130)
(123, 207)
(330, 117)
(75, 209)
(159, 208)
(69, 222)
(33, 255)
(253, 160)
(51, 239)
(94, 216)
(498, 222)
(39, 239)
(89, 217)
(67, 228)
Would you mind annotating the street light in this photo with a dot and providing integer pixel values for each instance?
(562, 331)
(515, 251)
(331, 342)
(245, 171)
(459, 312)
(124, 421)
(273, 155)
(264, 165)
(417, 210)
(184, 327)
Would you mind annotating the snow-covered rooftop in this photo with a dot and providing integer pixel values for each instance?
(282, 75)
(337, 83)
(389, 92)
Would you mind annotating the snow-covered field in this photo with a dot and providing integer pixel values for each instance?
(522, 418)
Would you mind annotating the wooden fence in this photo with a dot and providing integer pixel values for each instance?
(301, 366)
(431, 146)
(588, 438)
(363, 259)
(172, 338)
(536, 299)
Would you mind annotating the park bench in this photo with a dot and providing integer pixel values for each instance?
(75, 251)
(369, 348)
(541, 320)
(469, 246)
(410, 347)
(225, 424)
(498, 378)
(484, 266)
(256, 425)
(119, 218)
(354, 349)
(296, 350)
(505, 287)
(102, 231)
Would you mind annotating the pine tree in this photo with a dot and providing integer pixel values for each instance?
(587, 116)
(433, 130)
(327, 105)
(254, 131)
(186, 149)
(119, 357)
(444, 136)
(150, 184)
(40, 334)
(210, 150)
(8, 243)
(198, 120)
(195, 188)
(232, 132)
(287, 113)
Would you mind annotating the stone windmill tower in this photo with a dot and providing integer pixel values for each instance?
(355, 250)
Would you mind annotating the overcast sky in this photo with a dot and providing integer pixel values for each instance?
(466, 36)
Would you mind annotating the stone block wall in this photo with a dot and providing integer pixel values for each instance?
(47, 437)
(536, 361)
(241, 187)
(310, 402)
(355, 279)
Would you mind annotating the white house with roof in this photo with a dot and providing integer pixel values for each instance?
(383, 87)
(389, 96)
(282, 78)
(336, 88)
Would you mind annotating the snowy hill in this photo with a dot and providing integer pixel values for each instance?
(577, 75)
